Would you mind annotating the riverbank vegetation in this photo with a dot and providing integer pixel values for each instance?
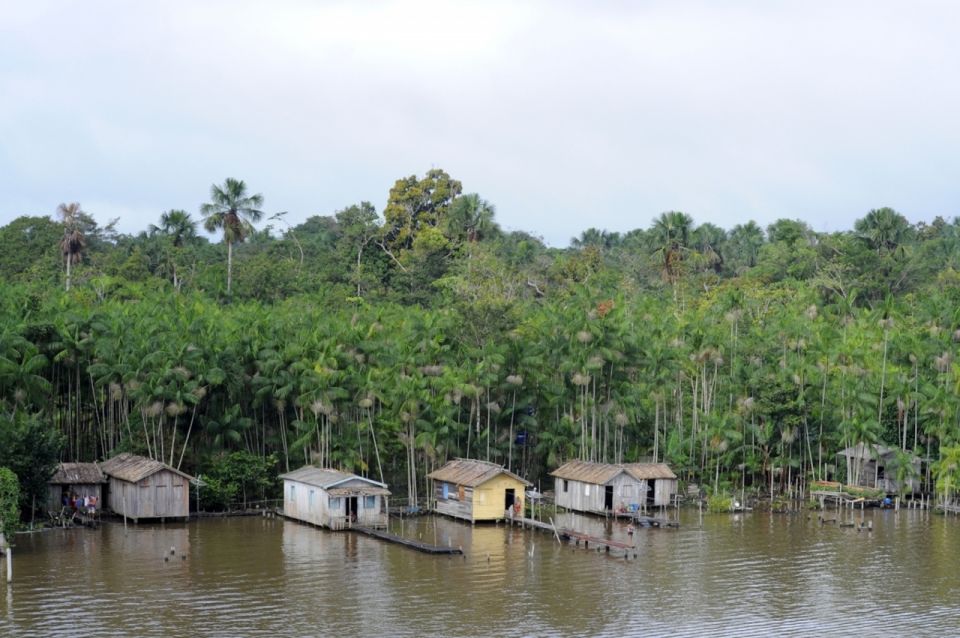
(385, 345)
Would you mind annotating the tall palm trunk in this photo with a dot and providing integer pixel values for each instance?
(229, 266)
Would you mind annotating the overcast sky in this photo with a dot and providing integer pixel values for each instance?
(564, 115)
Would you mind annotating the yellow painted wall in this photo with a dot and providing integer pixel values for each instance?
(488, 498)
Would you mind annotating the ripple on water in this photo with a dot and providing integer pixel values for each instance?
(751, 575)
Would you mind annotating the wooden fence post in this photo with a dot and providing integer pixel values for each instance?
(4, 545)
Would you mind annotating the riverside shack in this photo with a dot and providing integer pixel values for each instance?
(334, 499)
(142, 488)
(72, 481)
(586, 486)
(475, 490)
(877, 466)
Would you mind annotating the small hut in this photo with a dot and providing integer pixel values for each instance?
(876, 466)
(585, 486)
(334, 499)
(142, 488)
(477, 490)
(75, 481)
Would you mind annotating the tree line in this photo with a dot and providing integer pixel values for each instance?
(387, 344)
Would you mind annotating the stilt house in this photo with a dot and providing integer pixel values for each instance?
(604, 487)
(877, 466)
(75, 480)
(142, 488)
(334, 499)
(477, 490)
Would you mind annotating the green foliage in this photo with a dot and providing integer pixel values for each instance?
(233, 480)
(9, 502)
(719, 503)
(742, 360)
(415, 205)
(31, 449)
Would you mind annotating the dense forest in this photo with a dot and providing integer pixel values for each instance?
(386, 343)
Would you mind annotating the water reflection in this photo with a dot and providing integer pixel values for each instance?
(746, 574)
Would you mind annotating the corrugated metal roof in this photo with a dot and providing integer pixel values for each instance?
(471, 473)
(602, 473)
(327, 478)
(134, 468)
(77, 473)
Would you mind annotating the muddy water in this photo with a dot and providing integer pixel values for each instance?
(752, 574)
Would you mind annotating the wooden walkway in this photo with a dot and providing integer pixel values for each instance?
(605, 543)
(575, 536)
(406, 542)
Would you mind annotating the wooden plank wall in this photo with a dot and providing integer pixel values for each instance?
(453, 505)
(164, 494)
(318, 509)
(82, 489)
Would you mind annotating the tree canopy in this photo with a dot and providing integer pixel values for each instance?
(387, 344)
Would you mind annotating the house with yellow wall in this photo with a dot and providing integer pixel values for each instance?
(475, 490)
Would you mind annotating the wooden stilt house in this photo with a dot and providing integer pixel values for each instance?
(585, 486)
(142, 488)
(334, 499)
(881, 467)
(477, 490)
(75, 481)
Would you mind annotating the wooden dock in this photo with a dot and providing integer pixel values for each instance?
(563, 533)
(599, 543)
(406, 542)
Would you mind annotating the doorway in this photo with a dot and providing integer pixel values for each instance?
(509, 497)
(351, 508)
(608, 497)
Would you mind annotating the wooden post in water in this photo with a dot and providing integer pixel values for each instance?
(5, 546)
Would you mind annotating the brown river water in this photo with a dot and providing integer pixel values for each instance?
(752, 574)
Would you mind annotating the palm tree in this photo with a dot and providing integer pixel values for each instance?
(746, 240)
(73, 241)
(672, 232)
(177, 227)
(883, 228)
(710, 239)
(234, 211)
(470, 217)
(602, 239)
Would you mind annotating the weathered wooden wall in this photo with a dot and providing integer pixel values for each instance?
(304, 502)
(453, 504)
(164, 494)
(589, 497)
(663, 491)
(54, 493)
(315, 505)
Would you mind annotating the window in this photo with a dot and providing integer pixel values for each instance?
(626, 490)
(334, 503)
(446, 491)
(310, 497)
(481, 496)
(566, 485)
(586, 490)
(370, 502)
(293, 492)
